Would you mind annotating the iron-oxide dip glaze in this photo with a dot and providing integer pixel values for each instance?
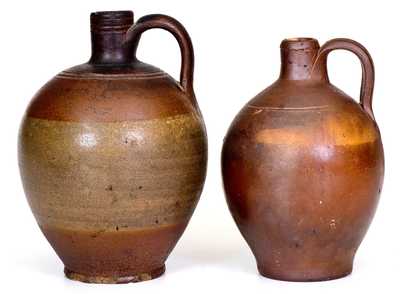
(303, 167)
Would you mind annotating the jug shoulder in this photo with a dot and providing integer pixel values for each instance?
(287, 94)
(303, 115)
(104, 95)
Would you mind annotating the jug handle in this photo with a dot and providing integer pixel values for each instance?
(368, 72)
(160, 21)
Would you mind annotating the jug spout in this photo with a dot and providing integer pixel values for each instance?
(297, 59)
(108, 31)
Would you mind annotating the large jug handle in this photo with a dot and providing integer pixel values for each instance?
(368, 72)
(160, 21)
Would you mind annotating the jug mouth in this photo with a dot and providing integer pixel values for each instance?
(111, 20)
(302, 43)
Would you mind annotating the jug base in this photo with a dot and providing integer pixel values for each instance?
(114, 279)
(310, 276)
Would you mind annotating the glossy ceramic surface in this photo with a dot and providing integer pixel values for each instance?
(303, 167)
(113, 155)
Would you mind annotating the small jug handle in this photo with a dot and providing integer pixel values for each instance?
(160, 21)
(368, 72)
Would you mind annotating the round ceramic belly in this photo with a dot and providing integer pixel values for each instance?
(114, 176)
(303, 195)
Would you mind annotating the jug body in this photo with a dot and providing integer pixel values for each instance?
(113, 157)
(303, 167)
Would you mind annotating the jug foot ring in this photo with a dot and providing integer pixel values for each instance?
(114, 279)
(305, 277)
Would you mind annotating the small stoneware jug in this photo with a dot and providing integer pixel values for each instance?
(303, 167)
(113, 155)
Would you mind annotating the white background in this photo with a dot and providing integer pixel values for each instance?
(237, 55)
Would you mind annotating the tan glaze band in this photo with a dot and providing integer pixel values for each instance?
(98, 177)
(333, 129)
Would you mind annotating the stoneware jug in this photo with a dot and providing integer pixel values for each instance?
(113, 155)
(303, 167)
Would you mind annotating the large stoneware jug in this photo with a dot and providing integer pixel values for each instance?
(303, 166)
(113, 155)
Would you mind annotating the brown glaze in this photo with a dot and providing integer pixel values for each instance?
(97, 254)
(113, 155)
(303, 167)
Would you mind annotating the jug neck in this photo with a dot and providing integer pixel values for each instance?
(108, 33)
(297, 59)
